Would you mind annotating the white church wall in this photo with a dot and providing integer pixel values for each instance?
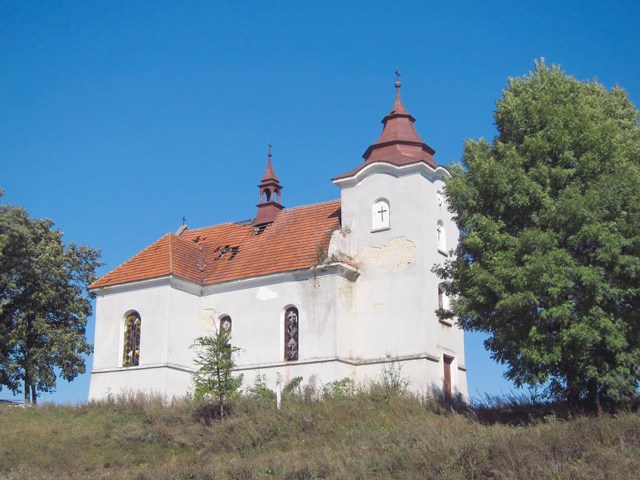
(147, 379)
(152, 302)
(397, 294)
(184, 323)
(257, 311)
(174, 315)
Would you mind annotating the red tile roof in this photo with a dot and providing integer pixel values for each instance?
(296, 240)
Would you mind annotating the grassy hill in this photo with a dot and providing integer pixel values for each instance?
(367, 435)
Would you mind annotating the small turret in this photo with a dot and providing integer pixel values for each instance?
(270, 195)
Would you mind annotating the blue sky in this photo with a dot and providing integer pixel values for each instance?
(118, 118)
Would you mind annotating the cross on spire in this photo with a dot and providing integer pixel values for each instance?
(269, 145)
(398, 78)
(184, 220)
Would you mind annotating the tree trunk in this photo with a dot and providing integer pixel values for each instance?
(221, 395)
(27, 392)
(34, 394)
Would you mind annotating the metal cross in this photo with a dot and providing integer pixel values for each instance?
(397, 74)
(382, 211)
(184, 220)
(269, 145)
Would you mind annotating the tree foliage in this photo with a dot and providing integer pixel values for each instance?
(44, 304)
(548, 262)
(214, 378)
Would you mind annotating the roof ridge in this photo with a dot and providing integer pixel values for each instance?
(242, 221)
(217, 225)
(311, 204)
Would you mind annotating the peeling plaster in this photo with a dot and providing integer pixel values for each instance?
(265, 293)
(345, 291)
(339, 245)
(207, 317)
(397, 255)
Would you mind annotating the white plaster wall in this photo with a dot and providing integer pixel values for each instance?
(184, 325)
(257, 312)
(153, 305)
(153, 380)
(153, 302)
(396, 293)
(175, 313)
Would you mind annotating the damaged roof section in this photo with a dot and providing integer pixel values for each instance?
(234, 251)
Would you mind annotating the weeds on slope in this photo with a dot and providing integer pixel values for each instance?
(342, 432)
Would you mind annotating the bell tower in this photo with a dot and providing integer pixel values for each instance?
(270, 195)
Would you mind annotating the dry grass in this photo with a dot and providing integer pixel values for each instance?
(373, 434)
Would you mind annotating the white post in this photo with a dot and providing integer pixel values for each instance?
(278, 390)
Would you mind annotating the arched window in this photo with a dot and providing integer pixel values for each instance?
(131, 351)
(225, 323)
(291, 328)
(444, 304)
(380, 215)
(443, 298)
(442, 237)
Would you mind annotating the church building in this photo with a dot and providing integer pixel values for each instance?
(333, 290)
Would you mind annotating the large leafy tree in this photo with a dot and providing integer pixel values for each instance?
(44, 304)
(548, 263)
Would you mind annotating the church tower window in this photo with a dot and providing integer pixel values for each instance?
(442, 237)
(443, 304)
(443, 298)
(380, 215)
(131, 351)
(291, 328)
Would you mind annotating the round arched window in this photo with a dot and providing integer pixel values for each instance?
(132, 329)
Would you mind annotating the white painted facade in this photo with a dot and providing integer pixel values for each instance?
(372, 301)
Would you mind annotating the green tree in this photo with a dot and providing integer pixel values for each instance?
(548, 263)
(214, 357)
(44, 304)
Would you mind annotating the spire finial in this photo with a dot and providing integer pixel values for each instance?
(269, 145)
(398, 84)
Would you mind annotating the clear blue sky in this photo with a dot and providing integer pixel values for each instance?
(118, 118)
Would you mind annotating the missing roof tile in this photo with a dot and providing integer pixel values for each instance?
(222, 251)
(260, 228)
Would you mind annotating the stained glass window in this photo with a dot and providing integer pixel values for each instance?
(225, 323)
(291, 334)
(131, 353)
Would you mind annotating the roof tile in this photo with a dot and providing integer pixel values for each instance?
(297, 239)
